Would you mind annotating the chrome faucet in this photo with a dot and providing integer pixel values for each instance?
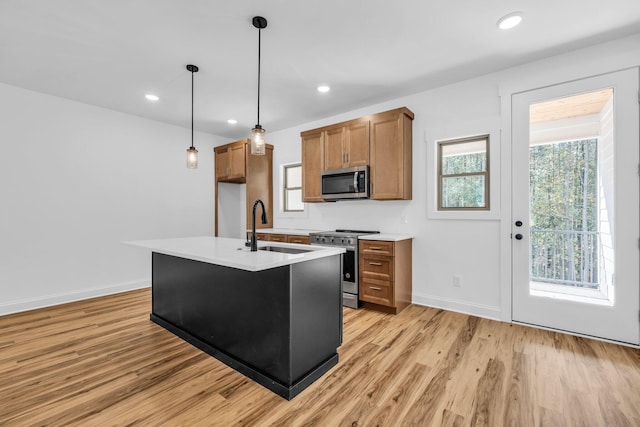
(254, 241)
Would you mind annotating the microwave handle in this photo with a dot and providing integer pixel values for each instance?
(355, 182)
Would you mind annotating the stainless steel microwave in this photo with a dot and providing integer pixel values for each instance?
(347, 183)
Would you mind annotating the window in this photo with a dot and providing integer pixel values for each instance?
(463, 174)
(293, 188)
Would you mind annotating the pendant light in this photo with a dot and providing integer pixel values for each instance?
(192, 153)
(257, 133)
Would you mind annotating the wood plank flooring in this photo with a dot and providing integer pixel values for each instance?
(101, 362)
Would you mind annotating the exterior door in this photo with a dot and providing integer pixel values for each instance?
(576, 201)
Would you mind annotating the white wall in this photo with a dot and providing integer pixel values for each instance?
(232, 210)
(478, 250)
(76, 181)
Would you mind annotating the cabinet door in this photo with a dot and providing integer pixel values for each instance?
(312, 166)
(357, 144)
(237, 161)
(334, 155)
(222, 164)
(387, 158)
(259, 180)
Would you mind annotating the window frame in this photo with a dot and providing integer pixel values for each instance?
(485, 174)
(286, 188)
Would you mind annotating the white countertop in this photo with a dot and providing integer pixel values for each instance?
(291, 231)
(386, 237)
(232, 252)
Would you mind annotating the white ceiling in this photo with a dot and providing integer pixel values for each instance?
(110, 53)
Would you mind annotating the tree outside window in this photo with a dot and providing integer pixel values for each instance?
(463, 174)
(293, 188)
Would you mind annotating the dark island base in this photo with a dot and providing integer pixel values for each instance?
(280, 327)
(287, 392)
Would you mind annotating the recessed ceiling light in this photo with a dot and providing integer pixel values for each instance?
(510, 20)
(323, 89)
(151, 97)
(232, 121)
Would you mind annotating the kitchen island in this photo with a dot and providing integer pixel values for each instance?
(273, 315)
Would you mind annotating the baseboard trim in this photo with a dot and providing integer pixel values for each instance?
(479, 310)
(63, 298)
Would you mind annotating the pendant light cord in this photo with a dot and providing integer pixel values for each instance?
(259, 44)
(192, 109)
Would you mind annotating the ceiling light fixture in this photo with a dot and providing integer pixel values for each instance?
(257, 133)
(192, 153)
(151, 97)
(323, 89)
(232, 121)
(510, 20)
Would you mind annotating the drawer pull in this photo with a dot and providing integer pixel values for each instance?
(375, 248)
(375, 263)
(375, 288)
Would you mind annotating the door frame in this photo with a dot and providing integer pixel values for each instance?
(545, 73)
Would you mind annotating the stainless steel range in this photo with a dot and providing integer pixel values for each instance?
(347, 239)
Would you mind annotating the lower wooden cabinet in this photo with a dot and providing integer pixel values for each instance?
(302, 240)
(259, 236)
(385, 274)
(276, 237)
(284, 238)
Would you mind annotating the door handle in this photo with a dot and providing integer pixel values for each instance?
(355, 182)
(518, 223)
(519, 236)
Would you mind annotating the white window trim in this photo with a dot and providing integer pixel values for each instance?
(281, 212)
(432, 138)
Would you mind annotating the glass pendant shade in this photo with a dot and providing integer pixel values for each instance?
(192, 158)
(257, 141)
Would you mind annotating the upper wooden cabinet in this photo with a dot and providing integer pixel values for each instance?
(234, 163)
(382, 141)
(346, 145)
(231, 161)
(312, 166)
(390, 147)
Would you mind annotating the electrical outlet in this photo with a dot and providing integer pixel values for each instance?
(404, 219)
(456, 281)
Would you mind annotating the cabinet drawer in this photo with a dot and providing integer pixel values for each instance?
(303, 240)
(259, 236)
(376, 247)
(376, 267)
(277, 237)
(376, 291)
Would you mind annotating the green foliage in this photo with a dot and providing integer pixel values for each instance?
(463, 191)
(563, 206)
(562, 186)
(464, 163)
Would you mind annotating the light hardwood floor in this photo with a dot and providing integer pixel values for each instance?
(101, 362)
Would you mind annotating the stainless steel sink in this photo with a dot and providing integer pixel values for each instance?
(284, 249)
